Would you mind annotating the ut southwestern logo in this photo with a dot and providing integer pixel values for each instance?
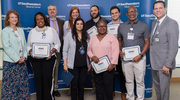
(112, 29)
(40, 48)
(131, 51)
(100, 63)
(91, 32)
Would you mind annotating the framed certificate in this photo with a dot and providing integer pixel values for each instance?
(102, 65)
(92, 31)
(41, 50)
(112, 29)
(131, 52)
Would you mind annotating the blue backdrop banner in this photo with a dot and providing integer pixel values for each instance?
(28, 8)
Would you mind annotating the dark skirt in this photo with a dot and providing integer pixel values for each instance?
(15, 84)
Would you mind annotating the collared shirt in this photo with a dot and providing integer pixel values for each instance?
(111, 23)
(141, 31)
(109, 46)
(51, 24)
(118, 24)
(90, 23)
(161, 20)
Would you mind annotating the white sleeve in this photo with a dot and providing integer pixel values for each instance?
(56, 41)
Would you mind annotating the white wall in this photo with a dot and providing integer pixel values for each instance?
(173, 12)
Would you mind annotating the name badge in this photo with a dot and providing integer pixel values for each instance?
(130, 36)
(156, 39)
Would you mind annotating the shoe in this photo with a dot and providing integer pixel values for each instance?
(123, 96)
(93, 92)
(56, 93)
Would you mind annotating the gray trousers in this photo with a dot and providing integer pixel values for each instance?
(161, 84)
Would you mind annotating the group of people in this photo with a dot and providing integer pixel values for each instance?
(71, 40)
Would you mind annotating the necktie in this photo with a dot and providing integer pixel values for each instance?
(155, 31)
(54, 25)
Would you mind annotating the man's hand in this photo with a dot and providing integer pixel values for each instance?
(137, 58)
(122, 54)
(165, 70)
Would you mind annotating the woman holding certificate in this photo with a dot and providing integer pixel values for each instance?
(43, 42)
(101, 45)
(73, 15)
(15, 84)
(75, 58)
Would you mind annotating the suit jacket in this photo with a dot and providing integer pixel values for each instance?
(164, 51)
(11, 44)
(61, 33)
(69, 50)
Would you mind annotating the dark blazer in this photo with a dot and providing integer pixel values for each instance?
(61, 33)
(164, 51)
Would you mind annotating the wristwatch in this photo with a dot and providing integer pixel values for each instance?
(141, 55)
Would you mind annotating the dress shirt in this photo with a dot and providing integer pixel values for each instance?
(51, 24)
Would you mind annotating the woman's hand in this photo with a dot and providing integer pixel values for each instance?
(95, 59)
(30, 52)
(89, 67)
(21, 60)
(110, 67)
(53, 50)
(66, 68)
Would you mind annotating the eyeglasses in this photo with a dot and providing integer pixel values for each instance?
(132, 11)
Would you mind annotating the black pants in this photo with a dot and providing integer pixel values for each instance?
(43, 75)
(121, 76)
(78, 82)
(104, 85)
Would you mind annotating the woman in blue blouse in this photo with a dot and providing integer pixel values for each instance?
(15, 85)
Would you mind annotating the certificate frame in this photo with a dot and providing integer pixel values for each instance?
(41, 50)
(92, 31)
(131, 52)
(99, 68)
(113, 29)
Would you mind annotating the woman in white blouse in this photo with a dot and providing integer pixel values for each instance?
(43, 67)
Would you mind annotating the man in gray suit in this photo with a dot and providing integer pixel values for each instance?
(163, 49)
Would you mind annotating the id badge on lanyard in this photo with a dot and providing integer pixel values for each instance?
(130, 35)
(156, 38)
(81, 50)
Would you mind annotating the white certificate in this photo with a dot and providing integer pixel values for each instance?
(102, 65)
(131, 52)
(112, 29)
(92, 31)
(41, 50)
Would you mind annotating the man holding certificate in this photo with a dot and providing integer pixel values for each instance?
(112, 29)
(102, 48)
(133, 37)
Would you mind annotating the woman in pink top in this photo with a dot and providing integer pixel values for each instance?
(100, 45)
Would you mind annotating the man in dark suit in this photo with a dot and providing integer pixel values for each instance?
(163, 49)
(57, 24)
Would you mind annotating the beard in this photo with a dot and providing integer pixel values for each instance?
(95, 16)
(52, 16)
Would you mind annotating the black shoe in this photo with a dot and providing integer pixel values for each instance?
(56, 93)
